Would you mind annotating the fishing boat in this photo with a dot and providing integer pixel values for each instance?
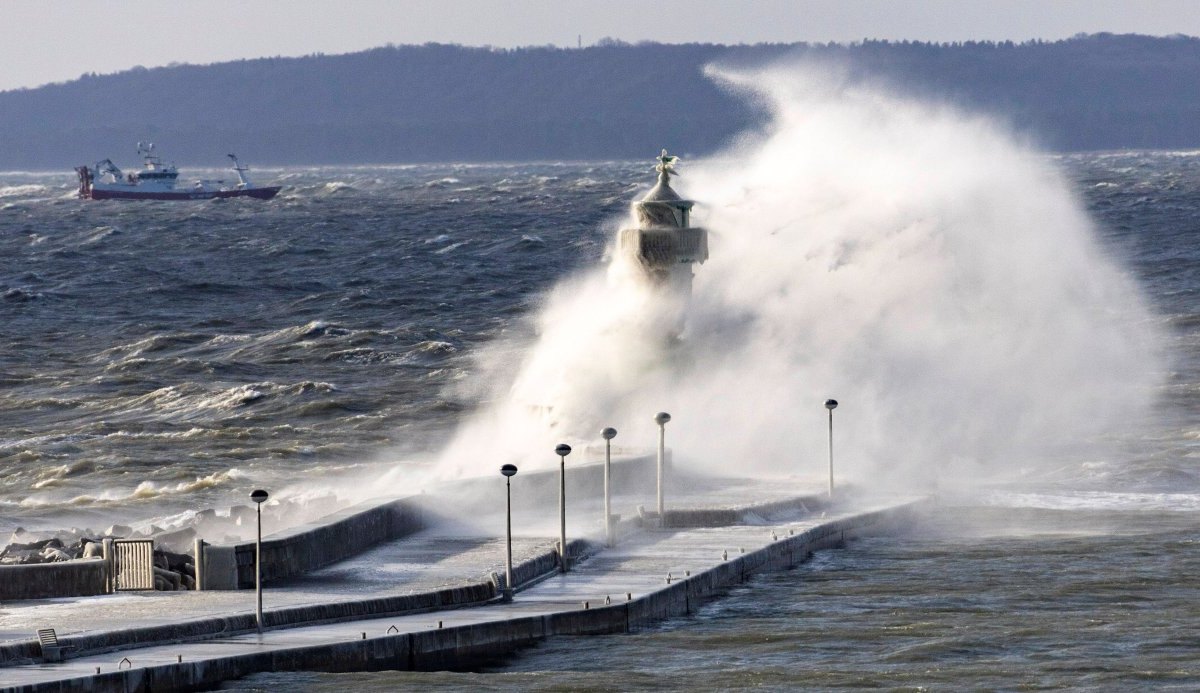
(158, 181)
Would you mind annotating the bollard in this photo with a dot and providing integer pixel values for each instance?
(629, 596)
(364, 636)
(586, 605)
(97, 670)
(180, 659)
(791, 532)
(724, 555)
(607, 600)
(439, 624)
(774, 537)
(687, 573)
(742, 549)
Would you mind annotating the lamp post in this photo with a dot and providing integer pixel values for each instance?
(608, 434)
(562, 450)
(258, 496)
(661, 418)
(508, 471)
(831, 404)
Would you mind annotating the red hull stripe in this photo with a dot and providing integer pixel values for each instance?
(257, 193)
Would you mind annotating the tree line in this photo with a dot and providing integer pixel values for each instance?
(438, 102)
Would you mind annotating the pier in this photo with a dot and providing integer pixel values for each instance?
(432, 600)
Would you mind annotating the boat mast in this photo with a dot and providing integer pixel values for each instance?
(244, 181)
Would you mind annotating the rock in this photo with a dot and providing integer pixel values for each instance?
(118, 531)
(22, 557)
(52, 543)
(173, 579)
(178, 541)
(189, 582)
(93, 549)
(20, 536)
(160, 562)
(241, 514)
(150, 531)
(176, 561)
(53, 555)
(161, 584)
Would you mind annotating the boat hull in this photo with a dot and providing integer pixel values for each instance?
(265, 193)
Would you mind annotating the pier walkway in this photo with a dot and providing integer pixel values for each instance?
(650, 575)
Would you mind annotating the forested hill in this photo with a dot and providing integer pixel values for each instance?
(452, 103)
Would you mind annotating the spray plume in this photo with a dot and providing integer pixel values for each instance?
(922, 266)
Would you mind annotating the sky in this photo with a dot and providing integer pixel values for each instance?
(43, 41)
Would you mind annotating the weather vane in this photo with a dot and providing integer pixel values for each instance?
(666, 166)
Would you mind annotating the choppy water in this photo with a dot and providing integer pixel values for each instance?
(163, 357)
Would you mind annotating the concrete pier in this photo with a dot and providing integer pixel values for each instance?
(649, 576)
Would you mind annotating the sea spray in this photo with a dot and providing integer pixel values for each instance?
(919, 264)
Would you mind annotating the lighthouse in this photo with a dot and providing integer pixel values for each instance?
(664, 244)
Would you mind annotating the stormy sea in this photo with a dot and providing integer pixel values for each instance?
(1014, 333)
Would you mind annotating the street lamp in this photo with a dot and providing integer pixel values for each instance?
(608, 434)
(508, 471)
(661, 418)
(831, 404)
(562, 450)
(258, 496)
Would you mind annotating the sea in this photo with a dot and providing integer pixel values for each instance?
(159, 358)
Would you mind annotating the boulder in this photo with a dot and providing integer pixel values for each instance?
(118, 531)
(21, 535)
(175, 561)
(179, 540)
(53, 555)
(174, 580)
(241, 514)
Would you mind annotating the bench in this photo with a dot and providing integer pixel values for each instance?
(51, 650)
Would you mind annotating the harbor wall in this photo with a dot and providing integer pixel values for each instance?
(78, 578)
(463, 647)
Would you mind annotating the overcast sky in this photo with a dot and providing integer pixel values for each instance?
(45, 41)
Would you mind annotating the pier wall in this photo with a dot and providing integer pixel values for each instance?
(307, 547)
(78, 578)
(345, 534)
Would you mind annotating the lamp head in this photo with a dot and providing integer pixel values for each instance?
(661, 418)
(562, 450)
(508, 470)
(831, 404)
(608, 433)
(259, 495)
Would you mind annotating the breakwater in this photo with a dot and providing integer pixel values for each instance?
(554, 607)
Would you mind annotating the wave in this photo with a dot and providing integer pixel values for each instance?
(22, 190)
(450, 248)
(1094, 500)
(143, 491)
